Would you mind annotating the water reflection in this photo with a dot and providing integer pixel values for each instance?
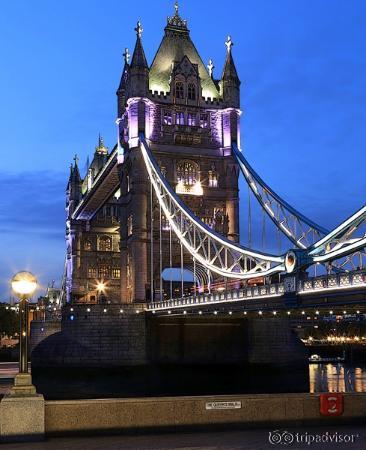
(337, 378)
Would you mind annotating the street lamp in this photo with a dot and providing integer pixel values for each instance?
(100, 289)
(23, 284)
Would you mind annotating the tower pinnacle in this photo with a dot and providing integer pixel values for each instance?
(126, 55)
(210, 67)
(139, 29)
(229, 44)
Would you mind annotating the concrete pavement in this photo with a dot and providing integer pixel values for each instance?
(226, 440)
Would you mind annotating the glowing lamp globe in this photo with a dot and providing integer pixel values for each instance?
(24, 284)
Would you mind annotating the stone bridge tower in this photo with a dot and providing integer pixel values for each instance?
(190, 120)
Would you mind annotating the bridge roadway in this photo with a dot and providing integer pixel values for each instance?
(327, 291)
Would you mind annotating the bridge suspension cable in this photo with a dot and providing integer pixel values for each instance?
(346, 239)
(207, 247)
(300, 230)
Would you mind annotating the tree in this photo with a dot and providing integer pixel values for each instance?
(9, 320)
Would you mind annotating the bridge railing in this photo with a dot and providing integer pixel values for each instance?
(337, 281)
(248, 293)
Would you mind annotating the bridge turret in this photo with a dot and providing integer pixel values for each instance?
(73, 189)
(138, 80)
(121, 91)
(230, 83)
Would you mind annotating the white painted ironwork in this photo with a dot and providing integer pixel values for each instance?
(300, 230)
(207, 247)
(348, 241)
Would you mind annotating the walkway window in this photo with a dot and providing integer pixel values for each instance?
(191, 119)
(191, 91)
(179, 90)
(105, 244)
(179, 118)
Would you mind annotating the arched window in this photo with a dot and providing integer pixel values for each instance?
(212, 177)
(105, 244)
(179, 90)
(87, 245)
(187, 172)
(191, 91)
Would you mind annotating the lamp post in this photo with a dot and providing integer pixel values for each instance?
(100, 289)
(23, 284)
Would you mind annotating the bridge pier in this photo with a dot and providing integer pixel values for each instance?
(146, 354)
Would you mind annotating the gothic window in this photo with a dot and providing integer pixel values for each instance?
(167, 119)
(191, 91)
(116, 272)
(108, 211)
(92, 272)
(87, 245)
(129, 225)
(187, 172)
(179, 118)
(191, 119)
(212, 177)
(103, 271)
(204, 120)
(179, 90)
(105, 244)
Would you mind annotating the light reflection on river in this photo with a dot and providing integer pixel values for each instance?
(337, 378)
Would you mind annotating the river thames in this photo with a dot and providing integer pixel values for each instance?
(329, 377)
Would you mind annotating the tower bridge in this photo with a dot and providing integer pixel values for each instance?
(167, 197)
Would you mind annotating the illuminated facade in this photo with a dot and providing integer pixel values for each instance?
(93, 256)
(190, 120)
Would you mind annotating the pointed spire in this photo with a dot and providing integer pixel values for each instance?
(101, 149)
(74, 171)
(138, 57)
(176, 22)
(229, 72)
(230, 83)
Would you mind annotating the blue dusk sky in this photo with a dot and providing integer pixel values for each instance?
(302, 64)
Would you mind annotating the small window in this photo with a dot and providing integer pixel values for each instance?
(179, 118)
(87, 245)
(129, 225)
(179, 90)
(103, 272)
(191, 91)
(204, 120)
(191, 120)
(105, 244)
(128, 183)
(92, 272)
(116, 272)
(167, 119)
(212, 178)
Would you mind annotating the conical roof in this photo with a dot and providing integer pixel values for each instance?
(229, 73)
(138, 57)
(175, 44)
